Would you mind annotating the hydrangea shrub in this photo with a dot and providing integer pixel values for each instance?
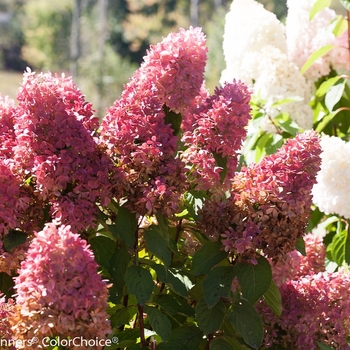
(151, 229)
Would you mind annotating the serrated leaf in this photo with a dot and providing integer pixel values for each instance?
(315, 56)
(157, 245)
(207, 257)
(209, 320)
(326, 85)
(346, 4)
(273, 299)
(14, 239)
(103, 249)
(300, 246)
(220, 343)
(334, 95)
(247, 322)
(139, 282)
(218, 284)
(318, 6)
(189, 337)
(254, 280)
(126, 226)
(159, 322)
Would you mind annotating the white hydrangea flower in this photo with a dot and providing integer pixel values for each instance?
(304, 37)
(281, 79)
(331, 193)
(249, 28)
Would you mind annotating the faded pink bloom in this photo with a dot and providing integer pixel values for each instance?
(6, 307)
(58, 289)
(314, 308)
(295, 265)
(54, 128)
(216, 131)
(270, 202)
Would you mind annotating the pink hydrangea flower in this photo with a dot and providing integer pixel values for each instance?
(58, 289)
(6, 307)
(54, 128)
(295, 265)
(135, 130)
(269, 203)
(217, 129)
(173, 69)
(7, 133)
(314, 308)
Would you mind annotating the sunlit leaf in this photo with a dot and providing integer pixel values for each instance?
(315, 56)
(318, 6)
(273, 299)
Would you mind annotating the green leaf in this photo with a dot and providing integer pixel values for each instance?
(326, 85)
(170, 346)
(172, 118)
(218, 284)
(166, 276)
(120, 317)
(139, 282)
(207, 257)
(273, 299)
(174, 304)
(340, 247)
(159, 322)
(300, 246)
(13, 239)
(288, 125)
(209, 320)
(254, 280)
(315, 56)
(334, 95)
(236, 344)
(247, 322)
(319, 5)
(346, 4)
(103, 249)
(126, 226)
(220, 343)
(157, 245)
(339, 25)
(6, 284)
(323, 346)
(118, 264)
(189, 337)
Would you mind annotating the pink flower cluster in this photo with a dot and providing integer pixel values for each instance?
(55, 149)
(174, 69)
(216, 129)
(59, 291)
(314, 307)
(135, 130)
(295, 265)
(6, 307)
(7, 133)
(269, 205)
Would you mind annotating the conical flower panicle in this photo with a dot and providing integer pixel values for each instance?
(269, 205)
(213, 133)
(135, 130)
(7, 133)
(55, 148)
(58, 289)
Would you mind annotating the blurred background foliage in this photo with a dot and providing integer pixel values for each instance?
(102, 42)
